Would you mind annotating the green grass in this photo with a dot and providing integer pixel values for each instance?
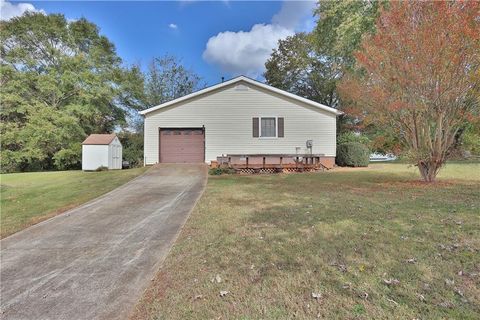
(275, 239)
(28, 198)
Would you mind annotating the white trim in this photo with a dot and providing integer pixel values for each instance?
(249, 81)
(260, 127)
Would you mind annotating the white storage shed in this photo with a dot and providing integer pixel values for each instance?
(101, 150)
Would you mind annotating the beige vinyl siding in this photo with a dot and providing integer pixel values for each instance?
(227, 116)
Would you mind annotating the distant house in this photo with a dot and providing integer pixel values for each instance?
(239, 117)
(101, 150)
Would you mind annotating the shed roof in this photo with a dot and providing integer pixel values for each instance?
(249, 81)
(100, 138)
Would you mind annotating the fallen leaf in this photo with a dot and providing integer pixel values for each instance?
(347, 285)
(341, 267)
(316, 295)
(391, 281)
(446, 304)
(364, 295)
(459, 292)
(223, 293)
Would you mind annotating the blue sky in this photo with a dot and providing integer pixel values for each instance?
(215, 39)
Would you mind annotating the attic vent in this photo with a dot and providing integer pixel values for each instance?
(241, 87)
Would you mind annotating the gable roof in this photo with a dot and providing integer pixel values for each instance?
(249, 81)
(100, 139)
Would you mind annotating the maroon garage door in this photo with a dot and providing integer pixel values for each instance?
(182, 145)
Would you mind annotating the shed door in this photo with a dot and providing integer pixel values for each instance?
(182, 145)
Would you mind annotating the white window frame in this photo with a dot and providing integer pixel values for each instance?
(260, 127)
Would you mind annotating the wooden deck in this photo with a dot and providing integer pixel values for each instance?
(272, 163)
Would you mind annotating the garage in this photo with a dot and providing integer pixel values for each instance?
(180, 145)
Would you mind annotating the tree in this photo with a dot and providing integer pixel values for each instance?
(416, 75)
(295, 67)
(59, 82)
(338, 33)
(341, 26)
(470, 137)
(168, 79)
(132, 143)
(311, 65)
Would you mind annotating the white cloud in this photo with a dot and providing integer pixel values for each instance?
(10, 10)
(245, 52)
(173, 26)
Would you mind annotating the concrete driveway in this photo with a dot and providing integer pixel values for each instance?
(95, 261)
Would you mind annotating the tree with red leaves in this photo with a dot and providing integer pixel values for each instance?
(417, 76)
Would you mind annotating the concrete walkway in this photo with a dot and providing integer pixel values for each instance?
(94, 262)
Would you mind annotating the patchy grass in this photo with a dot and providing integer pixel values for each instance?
(372, 243)
(28, 198)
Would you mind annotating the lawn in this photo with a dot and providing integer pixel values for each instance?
(28, 198)
(346, 244)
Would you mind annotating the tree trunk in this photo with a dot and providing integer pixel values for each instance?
(429, 169)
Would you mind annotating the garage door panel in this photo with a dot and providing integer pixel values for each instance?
(182, 145)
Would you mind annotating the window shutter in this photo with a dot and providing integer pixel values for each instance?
(280, 128)
(255, 128)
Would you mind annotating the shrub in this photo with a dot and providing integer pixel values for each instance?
(132, 143)
(352, 154)
(350, 136)
(471, 142)
(221, 170)
(68, 158)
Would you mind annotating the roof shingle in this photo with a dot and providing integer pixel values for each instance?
(99, 138)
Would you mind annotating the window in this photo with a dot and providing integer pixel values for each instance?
(268, 128)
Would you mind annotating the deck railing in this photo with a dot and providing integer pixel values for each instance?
(258, 163)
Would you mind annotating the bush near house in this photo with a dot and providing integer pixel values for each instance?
(351, 136)
(221, 170)
(352, 154)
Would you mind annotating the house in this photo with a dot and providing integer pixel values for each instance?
(239, 117)
(101, 150)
